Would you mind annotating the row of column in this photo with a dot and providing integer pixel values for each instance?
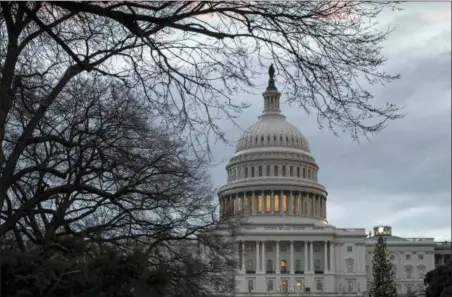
(308, 245)
(274, 202)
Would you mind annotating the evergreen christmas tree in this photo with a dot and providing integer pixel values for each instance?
(383, 284)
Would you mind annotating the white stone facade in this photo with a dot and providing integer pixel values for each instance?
(286, 245)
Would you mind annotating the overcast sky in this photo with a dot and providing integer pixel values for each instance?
(403, 177)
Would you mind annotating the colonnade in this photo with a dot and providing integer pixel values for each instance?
(260, 263)
(274, 202)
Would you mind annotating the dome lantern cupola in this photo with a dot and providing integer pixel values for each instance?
(271, 94)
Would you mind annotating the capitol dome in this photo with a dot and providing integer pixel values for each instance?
(272, 176)
(272, 130)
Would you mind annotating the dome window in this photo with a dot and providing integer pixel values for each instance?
(274, 138)
(291, 171)
(276, 170)
(284, 170)
(262, 138)
(280, 138)
(268, 170)
(268, 138)
(256, 138)
(287, 139)
(298, 171)
(260, 170)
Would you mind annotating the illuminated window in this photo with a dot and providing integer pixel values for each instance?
(276, 203)
(294, 205)
(276, 170)
(283, 170)
(268, 203)
(268, 170)
(259, 204)
(284, 203)
(298, 171)
(260, 170)
(283, 266)
(285, 286)
(299, 286)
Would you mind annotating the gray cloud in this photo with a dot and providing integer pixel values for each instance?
(403, 176)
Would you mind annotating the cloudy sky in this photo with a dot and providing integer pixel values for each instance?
(403, 176)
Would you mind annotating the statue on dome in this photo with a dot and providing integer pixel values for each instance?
(271, 80)
(271, 71)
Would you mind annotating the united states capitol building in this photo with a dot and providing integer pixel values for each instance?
(286, 245)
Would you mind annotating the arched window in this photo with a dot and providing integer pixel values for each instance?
(394, 269)
(283, 266)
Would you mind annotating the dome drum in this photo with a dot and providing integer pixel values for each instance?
(274, 203)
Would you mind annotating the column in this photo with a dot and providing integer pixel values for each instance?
(263, 264)
(272, 208)
(281, 210)
(332, 256)
(356, 263)
(305, 256)
(277, 258)
(290, 202)
(243, 256)
(292, 268)
(253, 203)
(257, 256)
(311, 255)
(325, 255)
